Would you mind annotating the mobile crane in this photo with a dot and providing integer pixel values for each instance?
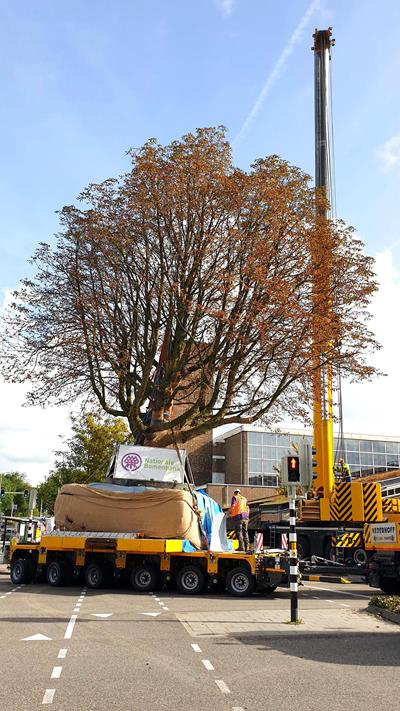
(332, 523)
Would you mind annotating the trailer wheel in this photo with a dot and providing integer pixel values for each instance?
(94, 575)
(389, 586)
(55, 574)
(240, 582)
(360, 556)
(191, 580)
(145, 578)
(268, 589)
(21, 571)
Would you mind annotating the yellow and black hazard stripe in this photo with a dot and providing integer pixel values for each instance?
(391, 505)
(350, 540)
(371, 509)
(232, 535)
(367, 535)
(341, 506)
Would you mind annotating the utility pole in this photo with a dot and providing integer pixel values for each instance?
(322, 385)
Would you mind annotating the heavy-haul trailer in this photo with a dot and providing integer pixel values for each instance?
(98, 558)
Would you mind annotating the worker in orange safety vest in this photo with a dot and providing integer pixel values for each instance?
(239, 512)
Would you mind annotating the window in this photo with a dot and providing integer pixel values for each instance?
(351, 445)
(255, 437)
(255, 452)
(269, 453)
(378, 446)
(392, 460)
(270, 480)
(366, 458)
(283, 440)
(256, 480)
(268, 465)
(269, 438)
(391, 448)
(379, 460)
(255, 465)
(365, 445)
(353, 458)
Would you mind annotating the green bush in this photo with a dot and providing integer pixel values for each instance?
(387, 602)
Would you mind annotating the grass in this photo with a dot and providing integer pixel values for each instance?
(298, 622)
(387, 602)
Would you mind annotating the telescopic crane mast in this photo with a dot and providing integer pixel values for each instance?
(322, 385)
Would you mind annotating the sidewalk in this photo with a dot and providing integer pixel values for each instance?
(267, 622)
(4, 569)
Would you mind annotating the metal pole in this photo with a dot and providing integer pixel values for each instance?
(293, 561)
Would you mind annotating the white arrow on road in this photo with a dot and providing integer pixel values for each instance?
(101, 614)
(150, 614)
(36, 638)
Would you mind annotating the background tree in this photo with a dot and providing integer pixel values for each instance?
(192, 282)
(87, 456)
(14, 481)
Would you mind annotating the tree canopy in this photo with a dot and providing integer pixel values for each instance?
(14, 504)
(191, 282)
(87, 455)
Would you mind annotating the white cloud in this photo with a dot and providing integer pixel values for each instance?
(225, 6)
(277, 69)
(389, 153)
(29, 436)
(372, 408)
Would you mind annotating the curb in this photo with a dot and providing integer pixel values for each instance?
(325, 579)
(386, 614)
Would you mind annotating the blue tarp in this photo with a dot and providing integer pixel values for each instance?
(213, 523)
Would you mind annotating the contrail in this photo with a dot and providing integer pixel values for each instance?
(284, 56)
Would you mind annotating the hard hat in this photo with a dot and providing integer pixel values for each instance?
(237, 491)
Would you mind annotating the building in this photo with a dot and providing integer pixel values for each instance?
(249, 455)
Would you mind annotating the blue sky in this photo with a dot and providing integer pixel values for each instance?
(84, 81)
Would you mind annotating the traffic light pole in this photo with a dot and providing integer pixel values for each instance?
(293, 560)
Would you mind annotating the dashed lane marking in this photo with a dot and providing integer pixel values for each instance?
(165, 608)
(62, 653)
(237, 708)
(48, 696)
(222, 686)
(150, 614)
(76, 609)
(343, 604)
(208, 664)
(70, 627)
(196, 648)
(1, 596)
(56, 673)
(8, 593)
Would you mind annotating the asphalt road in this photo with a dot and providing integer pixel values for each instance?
(115, 649)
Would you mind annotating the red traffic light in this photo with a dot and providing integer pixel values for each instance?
(293, 466)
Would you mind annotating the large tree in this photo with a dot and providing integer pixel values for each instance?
(86, 456)
(192, 282)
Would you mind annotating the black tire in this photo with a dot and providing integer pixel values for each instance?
(94, 576)
(21, 571)
(303, 548)
(191, 580)
(55, 574)
(145, 578)
(360, 556)
(330, 552)
(268, 589)
(240, 582)
(390, 586)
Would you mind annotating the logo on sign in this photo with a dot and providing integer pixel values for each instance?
(131, 462)
(383, 533)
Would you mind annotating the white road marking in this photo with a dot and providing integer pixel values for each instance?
(165, 608)
(342, 592)
(48, 696)
(208, 664)
(70, 627)
(2, 596)
(9, 593)
(56, 673)
(76, 609)
(196, 648)
(222, 686)
(36, 638)
(14, 590)
(62, 653)
(150, 614)
(343, 604)
(238, 708)
(101, 614)
(330, 601)
(157, 598)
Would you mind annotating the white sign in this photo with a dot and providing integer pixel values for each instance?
(383, 533)
(145, 463)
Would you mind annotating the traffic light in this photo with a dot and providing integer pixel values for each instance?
(26, 493)
(2, 493)
(293, 467)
